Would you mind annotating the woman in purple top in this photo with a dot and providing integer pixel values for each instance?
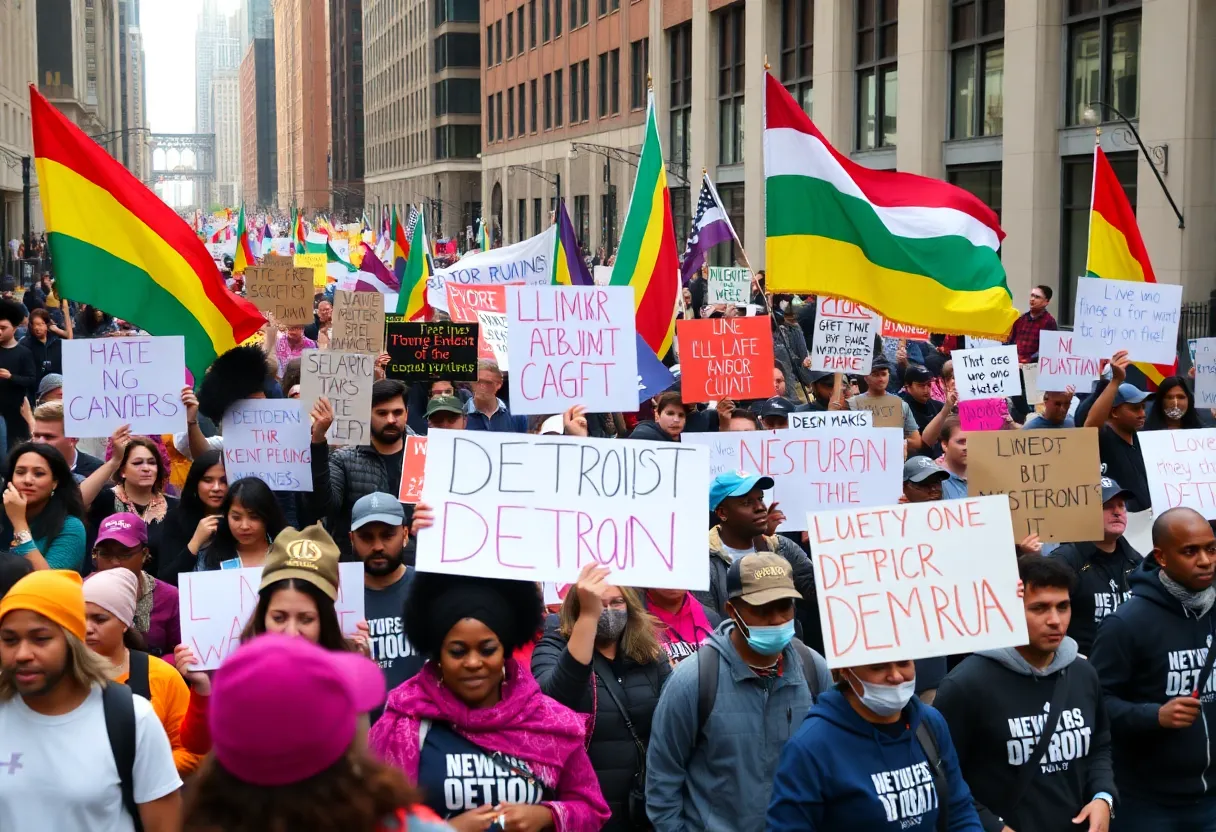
(122, 542)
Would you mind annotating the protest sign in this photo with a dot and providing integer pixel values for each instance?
(345, 378)
(601, 275)
(317, 266)
(269, 439)
(358, 322)
(528, 261)
(834, 419)
(216, 605)
(887, 409)
(1181, 468)
(286, 292)
(1060, 368)
(1053, 479)
(729, 285)
(813, 470)
(1030, 384)
(1113, 315)
(572, 345)
(540, 508)
(987, 374)
(413, 469)
(725, 358)
(1203, 359)
(891, 329)
(843, 341)
(485, 306)
(916, 580)
(421, 351)
(281, 246)
(111, 382)
(974, 343)
(982, 414)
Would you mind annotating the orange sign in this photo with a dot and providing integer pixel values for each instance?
(485, 305)
(891, 329)
(726, 358)
(413, 468)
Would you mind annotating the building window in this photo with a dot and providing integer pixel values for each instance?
(521, 219)
(580, 13)
(614, 78)
(548, 87)
(730, 85)
(606, 6)
(510, 112)
(582, 220)
(457, 141)
(511, 35)
(457, 95)
(490, 45)
(458, 49)
(797, 50)
(639, 69)
(498, 41)
(727, 254)
(519, 20)
(681, 215)
(522, 110)
(1077, 188)
(532, 119)
(498, 110)
(489, 119)
(545, 21)
(977, 67)
(982, 181)
(585, 78)
(1103, 56)
(451, 11)
(536, 211)
(877, 72)
(608, 225)
(679, 50)
(574, 90)
(557, 18)
(602, 109)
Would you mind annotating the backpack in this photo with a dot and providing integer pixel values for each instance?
(707, 681)
(118, 705)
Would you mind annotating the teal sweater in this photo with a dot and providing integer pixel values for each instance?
(66, 549)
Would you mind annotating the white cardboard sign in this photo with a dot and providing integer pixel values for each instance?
(1060, 368)
(832, 419)
(916, 580)
(269, 439)
(1181, 468)
(111, 382)
(539, 508)
(572, 345)
(989, 373)
(1204, 360)
(1113, 315)
(729, 285)
(813, 471)
(843, 341)
(216, 605)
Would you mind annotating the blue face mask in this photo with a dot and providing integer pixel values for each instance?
(767, 641)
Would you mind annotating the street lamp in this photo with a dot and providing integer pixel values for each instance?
(1091, 117)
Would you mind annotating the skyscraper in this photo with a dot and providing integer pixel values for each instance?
(216, 47)
(346, 102)
(302, 102)
(226, 122)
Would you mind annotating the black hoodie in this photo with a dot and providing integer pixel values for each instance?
(1149, 651)
(1102, 585)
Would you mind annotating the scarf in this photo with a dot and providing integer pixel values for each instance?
(688, 624)
(1200, 603)
(154, 513)
(143, 604)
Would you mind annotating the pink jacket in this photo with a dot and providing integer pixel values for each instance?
(525, 724)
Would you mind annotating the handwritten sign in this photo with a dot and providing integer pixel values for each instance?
(892, 329)
(283, 291)
(528, 261)
(1113, 315)
(813, 471)
(345, 378)
(725, 358)
(1204, 361)
(358, 322)
(887, 409)
(1053, 479)
(215, 607)
(572, 345)
(316, 265)
(834, 419)
(916, 580)
(1181, 468)
(844, 337)
(540, 508)
(975, 343)
(429, 351)
(111, 382)
(1030, 383)
(413, 469)
(982, 414)
(987, 374)
(269, 439)
(729, 285)
(485, 306)
(1060, 368)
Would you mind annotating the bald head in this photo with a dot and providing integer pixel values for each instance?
(1185, 547)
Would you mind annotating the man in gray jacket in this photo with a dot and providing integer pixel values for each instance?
(711, 760)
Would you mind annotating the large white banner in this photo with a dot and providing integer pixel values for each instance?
(528, 261)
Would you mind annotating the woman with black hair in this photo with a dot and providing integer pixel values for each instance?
(1173, 407)
(92, 322)
(12, 569)
(191, 524)
(472, 698)
(250, 518)
(138, 475)
(43, 513)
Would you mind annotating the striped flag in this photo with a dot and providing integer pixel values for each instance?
(568, 267)
(710, 227)
(243, 257)
(400, 247)
(411, 302)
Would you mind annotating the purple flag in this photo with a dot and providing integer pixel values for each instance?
(566, 252)
(710, 227)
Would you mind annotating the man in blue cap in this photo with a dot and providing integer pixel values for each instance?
(745, 524)
(1118, 414)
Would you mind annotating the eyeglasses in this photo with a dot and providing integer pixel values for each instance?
(617, 604)
(1037, 297)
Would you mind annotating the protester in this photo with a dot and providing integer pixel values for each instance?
(250, 520)
(43, 513)
(18, 375)
(1149, 656)
(139, 475)
(997, 704)
(741, 419)
(954, 459)
(775, 413)
(290, 345)
(322, 322)
(876, 388)
(726, 713)
(289, 750)
(122, 542)
(682, 623)
(669, 419)
(92, 322)
(446, 413)
(47, 428)
(54, 697)
(604, 660)
(916, 394)
(485, 411)
(110, 600)
(44, 345)
(923, 480)
(822, 386)
(1118, 413)
(50, 389)
(1026, 329)
(1055, 411)
(1173, 407)
(191, 524)
(473, 709)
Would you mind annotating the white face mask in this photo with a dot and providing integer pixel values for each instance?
(885, 700)
(1174, 412)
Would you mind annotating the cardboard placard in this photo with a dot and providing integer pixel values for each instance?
(216, 605)
(730, 285)
(487, 307)
(987, 373)
(539, 508)
(269, 439)
(891, 329)
(572, 345)
(420, 351)
(1181, 468)
(1204, 361)
(813, 470)
(982, 414)
(358, 322)
(916, 580)
(725, 358)
(111, 382)
(1060, 368)
(834, 419)
(843, 341)
(345, 378)
(413, 469)
(1113, 315)
(887, 409)
(285, 292)
(1053, 479)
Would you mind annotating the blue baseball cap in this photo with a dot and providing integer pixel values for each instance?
(735, 484)
(1130, 394)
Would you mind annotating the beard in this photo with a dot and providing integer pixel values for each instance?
(387, 434)
(392, 562)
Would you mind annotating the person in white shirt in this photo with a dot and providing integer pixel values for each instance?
(57, 767)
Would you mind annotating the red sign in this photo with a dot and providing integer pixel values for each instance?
(413, 467)
(726, 358)
(891, 329)
(464, 302)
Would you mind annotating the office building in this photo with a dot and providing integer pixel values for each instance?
(259, 140)
(301, 77)
(226, 123)
(216, 49)
(346, 104)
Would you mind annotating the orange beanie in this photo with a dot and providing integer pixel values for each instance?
(55, 593)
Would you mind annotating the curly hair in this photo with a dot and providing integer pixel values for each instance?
(424, 612)
(355, 794)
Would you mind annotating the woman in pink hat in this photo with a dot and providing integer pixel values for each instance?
(122, 542)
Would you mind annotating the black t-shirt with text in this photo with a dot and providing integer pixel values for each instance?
(456, 775)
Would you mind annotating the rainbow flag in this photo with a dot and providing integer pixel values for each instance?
(244, 251)
(118, 247)
(411, 302)
(1116, 250)
(400, 253)
(568, 267)
(297, 232)
(647, 258)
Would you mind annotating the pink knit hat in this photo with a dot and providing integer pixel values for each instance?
(115, 591)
